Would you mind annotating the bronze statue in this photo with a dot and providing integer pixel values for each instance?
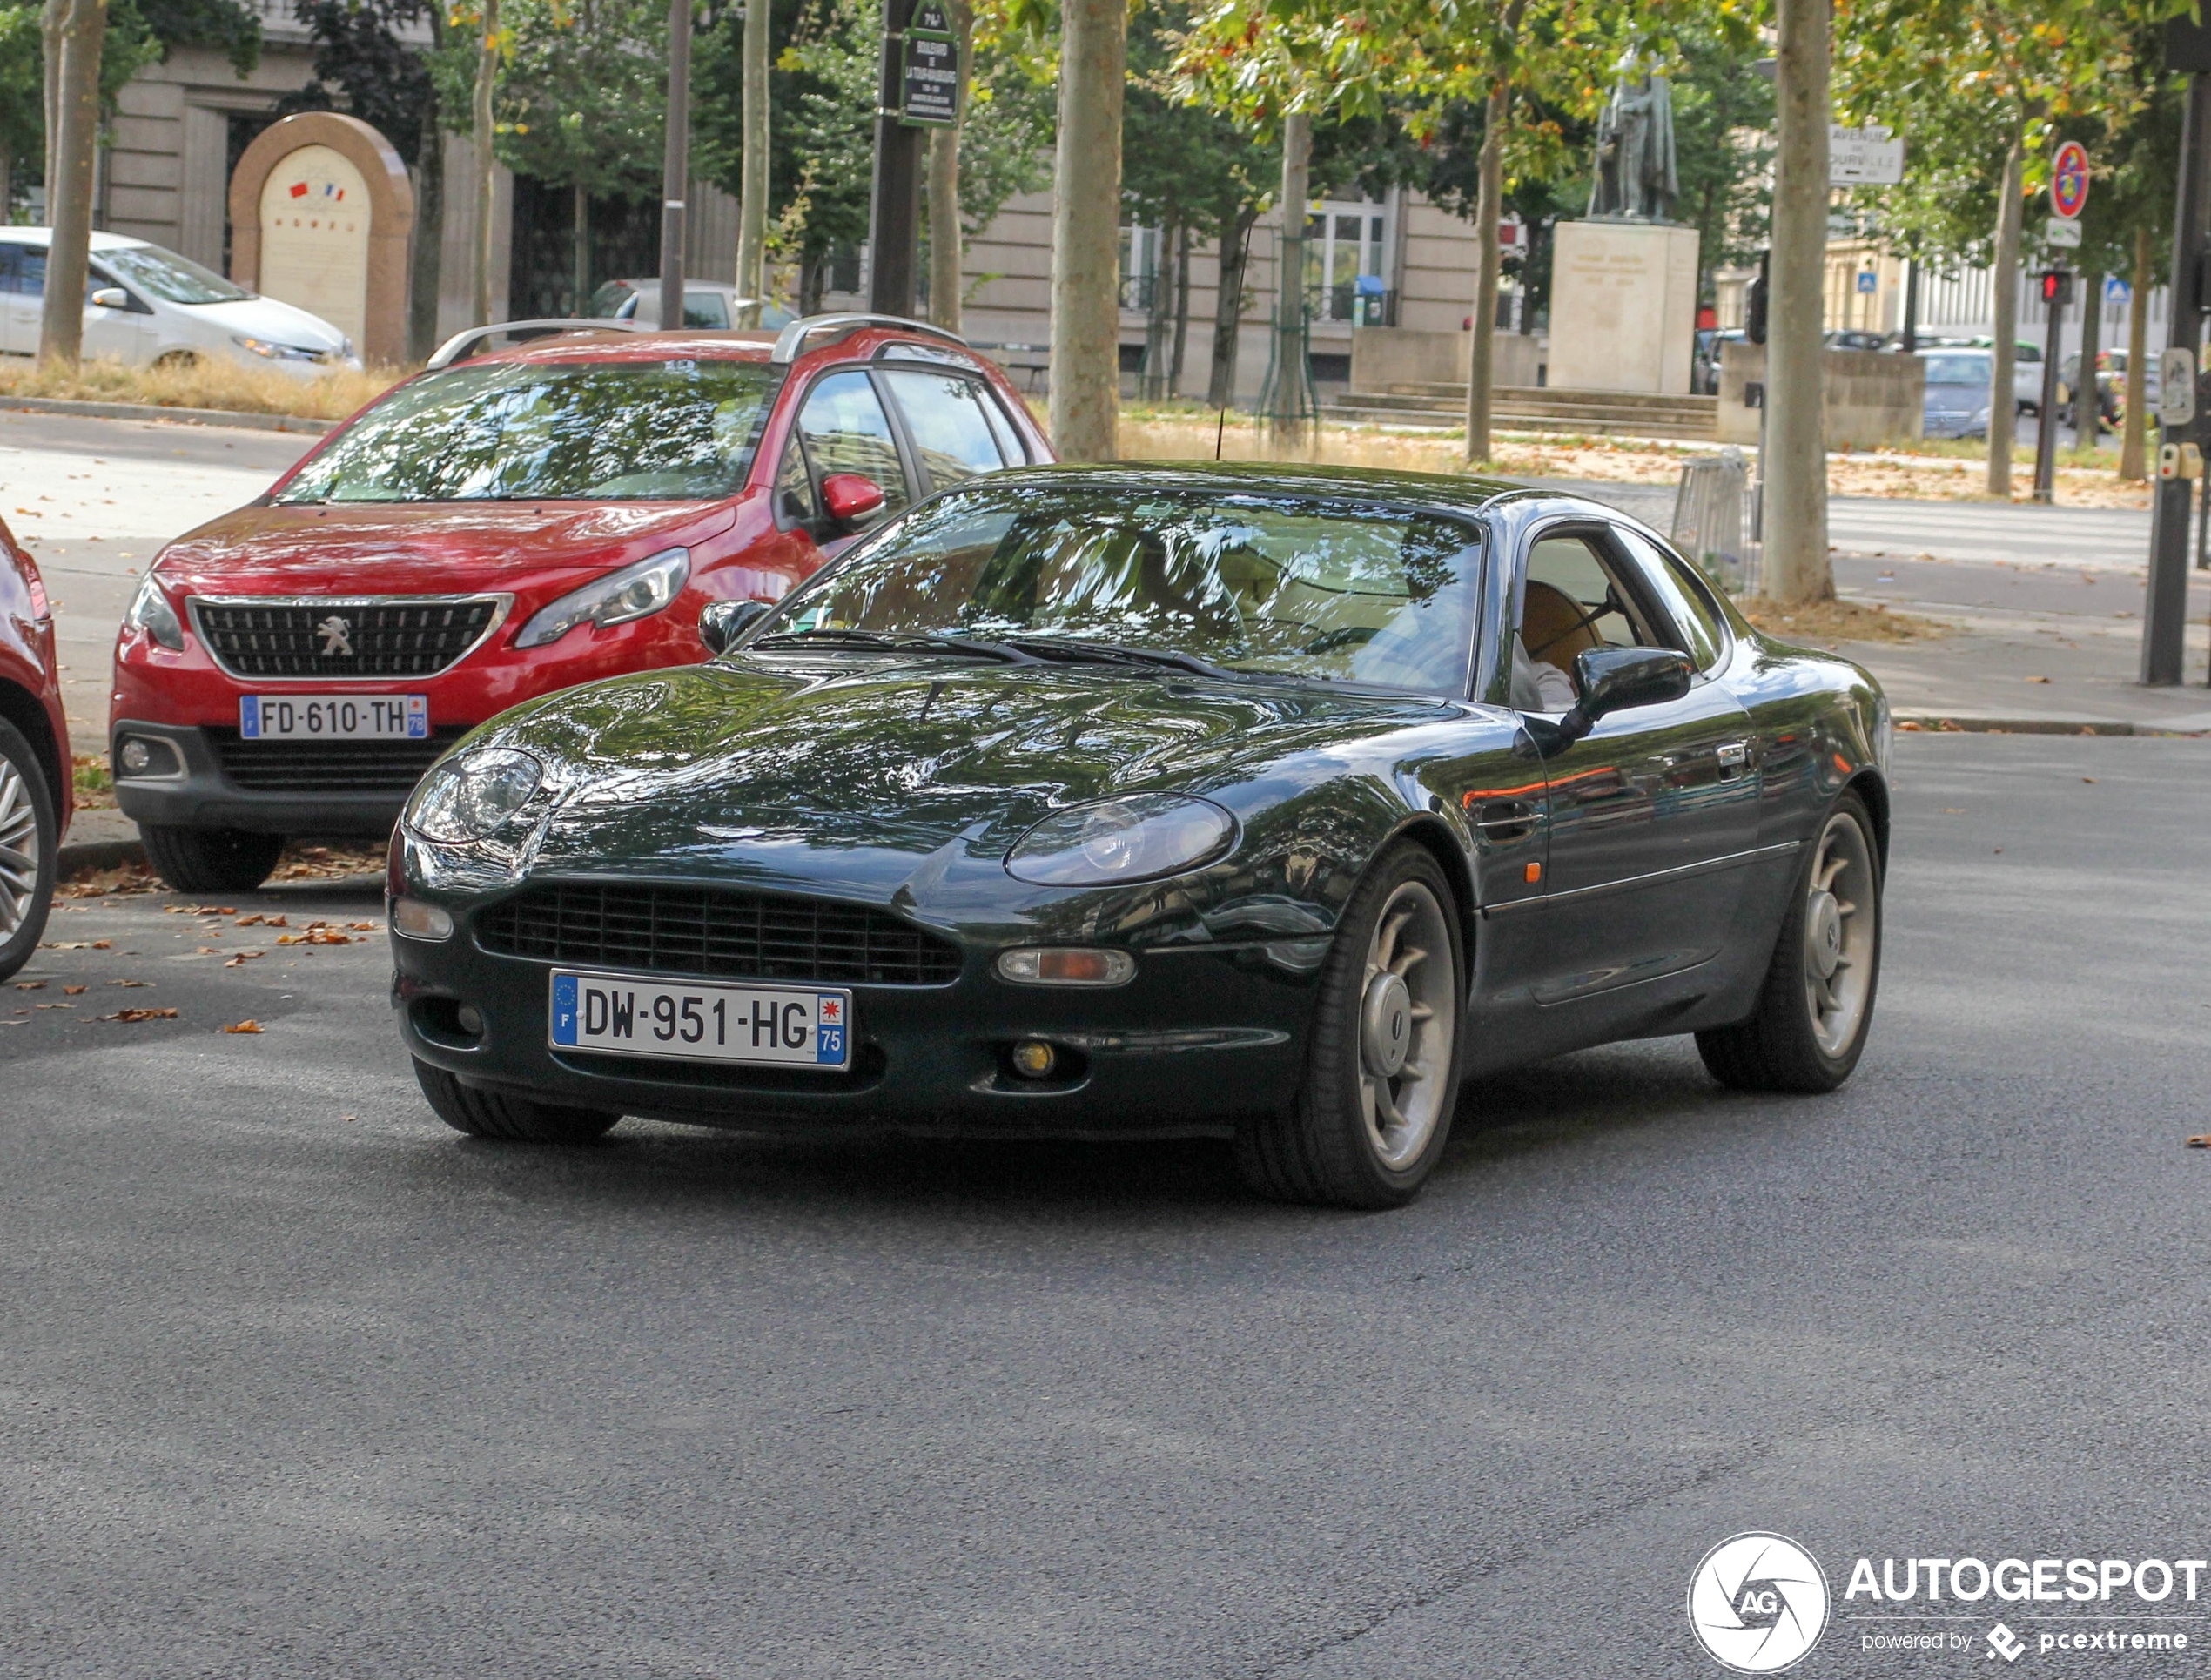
(1634, 148)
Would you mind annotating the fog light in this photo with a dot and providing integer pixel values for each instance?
(471, 1020)
(1034, 1059)
(412, 920)
(138, 757)
(1066, 966)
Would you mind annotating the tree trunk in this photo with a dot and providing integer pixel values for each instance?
(947, 236)
(1489, 210)
(487, 75)
(2004, 306)
(752, 173)
(50, 41)
(2133, 448)
(1289, 411)
(2087, 399)
(1181, 308)
(426, 260)
(579, 248)
(1795, 561)
(61, 324)
(1086, 231)
(1229, 308)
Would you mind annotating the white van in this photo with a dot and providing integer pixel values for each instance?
(143, 305)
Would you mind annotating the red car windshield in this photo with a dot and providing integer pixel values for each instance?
(681, 430)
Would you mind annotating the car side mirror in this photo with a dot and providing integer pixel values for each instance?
(110, 296)
(850, 496)
(1614, 680)
(723, 621)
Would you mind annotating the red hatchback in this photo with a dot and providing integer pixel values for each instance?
(34, 757)
(517, 523)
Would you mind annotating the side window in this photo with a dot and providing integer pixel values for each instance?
(708, 309)
(846, 431)
(30, 271)
(1701, 637)
(1572, 602)
(1009, 437)
(946, 420)
(10, 264)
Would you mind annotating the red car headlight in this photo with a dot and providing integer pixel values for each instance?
(634, 592)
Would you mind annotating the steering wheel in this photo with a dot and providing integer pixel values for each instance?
(1611, 603)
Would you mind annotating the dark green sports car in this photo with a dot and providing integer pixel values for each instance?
(1260, 803)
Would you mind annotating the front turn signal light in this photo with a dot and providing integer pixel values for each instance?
(1065, 965)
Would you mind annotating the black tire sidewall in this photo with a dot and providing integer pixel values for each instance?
(20, 947)
(1331, 1097)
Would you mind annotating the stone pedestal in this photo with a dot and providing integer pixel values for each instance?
(321, 214)
(1623, 307)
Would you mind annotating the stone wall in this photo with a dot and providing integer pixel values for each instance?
(1872, 396)
(1383, 357)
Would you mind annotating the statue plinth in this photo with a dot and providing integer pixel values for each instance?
(1623, 306)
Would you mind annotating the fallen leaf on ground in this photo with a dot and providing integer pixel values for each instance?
(131, 982)
(244, 1026)
(2088, 778)
(2200, 1143)
(208, 950)
(201, 910)
(2038, 679)
(53, 1005)
(315, 936)
(72, 992)
(78, 944)
(244, 957)
(141, 1015)
(252, 921)
(30, 985)
(349, 1119)
(362, 927)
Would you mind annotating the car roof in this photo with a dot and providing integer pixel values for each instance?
(732, 343)
(1445, 491)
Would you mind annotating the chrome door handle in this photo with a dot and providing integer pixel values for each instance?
(1735, 757)
(1506, 819)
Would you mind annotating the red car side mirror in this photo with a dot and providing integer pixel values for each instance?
(847, 496)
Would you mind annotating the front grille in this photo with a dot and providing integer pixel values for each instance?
(343, 639)
(390, 767)
(711, 930)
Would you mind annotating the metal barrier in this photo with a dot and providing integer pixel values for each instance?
(1707, 521)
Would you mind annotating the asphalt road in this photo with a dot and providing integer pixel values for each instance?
(294, 1382)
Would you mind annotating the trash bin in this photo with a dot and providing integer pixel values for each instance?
(1708, 520)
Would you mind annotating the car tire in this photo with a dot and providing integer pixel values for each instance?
(508, 1120)
(30, 848)
(1810, 1027)
(211, 860)
(1360, 1133)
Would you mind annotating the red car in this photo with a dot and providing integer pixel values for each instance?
(34, 757)
(519, 522)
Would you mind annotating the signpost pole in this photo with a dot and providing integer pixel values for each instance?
(894, 213)
(676, 165)
(2057, 286)
(2165, 606)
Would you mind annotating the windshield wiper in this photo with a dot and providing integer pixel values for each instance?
(902, 642)
(1076, 651)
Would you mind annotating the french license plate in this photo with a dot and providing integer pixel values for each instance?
(780, 1027)
(334, 717)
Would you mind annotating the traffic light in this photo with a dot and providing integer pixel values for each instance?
(1754, 302)
(2057, 288)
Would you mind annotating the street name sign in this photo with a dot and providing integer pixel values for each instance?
(1863, 156)
(929, 91)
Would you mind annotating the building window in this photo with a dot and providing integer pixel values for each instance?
(1346, 265)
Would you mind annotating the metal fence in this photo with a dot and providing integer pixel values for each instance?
(1708, 520)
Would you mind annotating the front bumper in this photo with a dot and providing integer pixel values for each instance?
(1200, 1038)
(196, 792)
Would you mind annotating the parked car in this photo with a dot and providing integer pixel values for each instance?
(143, 305)
(2111, 383)
(520, 521)
(1705, 360)
(1956, 402)
(35, 797)
(1239, 801)
(706, 303)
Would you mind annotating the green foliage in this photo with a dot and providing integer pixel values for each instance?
(1722, 144)
(22, 94)
(362, 66)
(583, 94)
(1182, 163)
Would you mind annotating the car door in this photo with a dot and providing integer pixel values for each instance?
(841, 426)
(126, 334)
(1653, 812)
(948, 420)
(18, 307)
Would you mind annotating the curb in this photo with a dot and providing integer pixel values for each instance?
(143, 411)
(1940, 723)
(73, 859)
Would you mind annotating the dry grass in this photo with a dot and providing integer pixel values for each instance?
(1828, 622)
(207, 383)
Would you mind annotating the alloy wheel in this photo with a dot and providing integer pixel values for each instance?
(19, 858)
(1840, 917)
(1408, 1015)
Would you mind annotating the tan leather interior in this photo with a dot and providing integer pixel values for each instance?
(1549, 628)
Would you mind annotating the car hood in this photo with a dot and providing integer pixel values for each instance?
(870, 778)
(427, 547)
(267, 317)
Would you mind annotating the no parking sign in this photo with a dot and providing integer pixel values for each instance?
(2069, 181)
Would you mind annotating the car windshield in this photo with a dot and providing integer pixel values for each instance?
(1300, 586)
(672, 431)
(171, 278)
(1957, 370)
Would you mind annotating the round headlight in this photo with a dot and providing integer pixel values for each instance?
(1115, 840)
(466, 798)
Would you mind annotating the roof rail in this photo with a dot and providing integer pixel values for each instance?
(458, 348)
(791, 343)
